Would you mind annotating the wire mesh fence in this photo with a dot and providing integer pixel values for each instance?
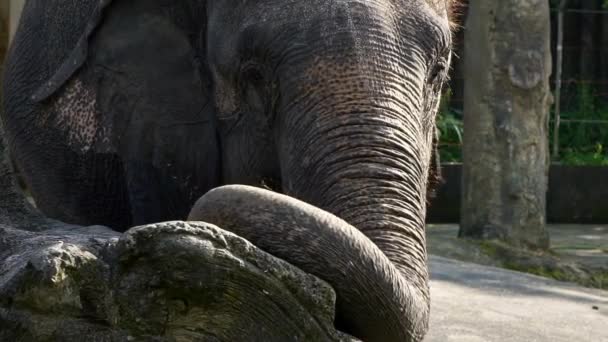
(582, 94)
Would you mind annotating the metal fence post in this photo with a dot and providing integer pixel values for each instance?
(558, 76)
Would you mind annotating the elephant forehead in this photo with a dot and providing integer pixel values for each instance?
(441, 6)
(448, 9)
(356, 75)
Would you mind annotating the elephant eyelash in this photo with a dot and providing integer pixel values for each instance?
(254, 76)
(252, 72)
(439, 71)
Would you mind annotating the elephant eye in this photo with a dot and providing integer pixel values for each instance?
(252, 73)
(439, 70)
(253, 85)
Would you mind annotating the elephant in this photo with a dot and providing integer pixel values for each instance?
(124, 113)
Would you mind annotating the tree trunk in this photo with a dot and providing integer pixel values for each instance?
(507, 99)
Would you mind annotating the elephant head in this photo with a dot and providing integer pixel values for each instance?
(327, 89)
(335, 102)
(331, 102)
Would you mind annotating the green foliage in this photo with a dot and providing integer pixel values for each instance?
(584, 142)
(450, 131)
(598, 158)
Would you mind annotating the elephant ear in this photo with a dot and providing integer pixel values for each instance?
(141, 65)
(76, 58)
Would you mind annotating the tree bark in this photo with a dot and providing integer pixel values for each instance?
(507, 100)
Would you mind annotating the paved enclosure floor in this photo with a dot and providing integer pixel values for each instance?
(583, 243)
(475, 303)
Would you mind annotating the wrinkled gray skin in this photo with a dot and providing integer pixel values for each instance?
(125, 112)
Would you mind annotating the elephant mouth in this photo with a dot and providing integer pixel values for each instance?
(272, 184)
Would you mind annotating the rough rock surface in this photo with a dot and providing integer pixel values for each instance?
(172, 281)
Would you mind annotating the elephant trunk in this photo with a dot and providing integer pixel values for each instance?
(362, 152)
(371, 174)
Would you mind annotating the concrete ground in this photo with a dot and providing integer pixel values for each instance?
(584, 243)
(475, 303)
